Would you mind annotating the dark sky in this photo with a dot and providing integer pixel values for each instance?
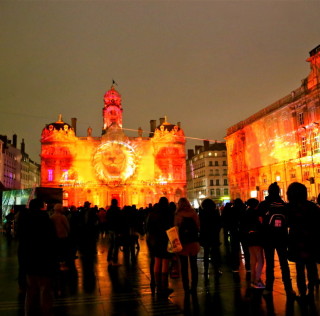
(206, 64)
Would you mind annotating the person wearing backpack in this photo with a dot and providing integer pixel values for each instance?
(304, 218)
(187, 220)
(274, 213)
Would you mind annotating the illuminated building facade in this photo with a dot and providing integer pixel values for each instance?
(133, 170)
(207, 173)
(279, 143)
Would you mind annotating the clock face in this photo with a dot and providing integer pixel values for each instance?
(114, 161)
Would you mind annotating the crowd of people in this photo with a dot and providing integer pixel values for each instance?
(50, 241)
(261, 230)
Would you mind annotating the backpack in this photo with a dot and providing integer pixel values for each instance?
(275, 218)
(278, 221)
(188, 231)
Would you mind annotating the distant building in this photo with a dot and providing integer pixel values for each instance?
(17, 170)
(279, 143)
(30, 170)
(10, 162)
(207, 173)
(134, 170)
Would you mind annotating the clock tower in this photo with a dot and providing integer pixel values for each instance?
(112, 110)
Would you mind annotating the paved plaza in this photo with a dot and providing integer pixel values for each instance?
(93, 288)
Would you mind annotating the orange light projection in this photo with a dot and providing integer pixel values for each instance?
(136, 170)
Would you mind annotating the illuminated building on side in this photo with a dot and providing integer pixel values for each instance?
(133, 170)
(207, 173)
(279, 143)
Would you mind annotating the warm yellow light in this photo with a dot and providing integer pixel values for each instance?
(254, 194)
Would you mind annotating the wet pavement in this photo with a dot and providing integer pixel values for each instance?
(95, 289)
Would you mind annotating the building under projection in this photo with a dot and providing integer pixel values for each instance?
(279, 143)
(134, 170)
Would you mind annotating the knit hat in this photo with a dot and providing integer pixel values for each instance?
(274, 189)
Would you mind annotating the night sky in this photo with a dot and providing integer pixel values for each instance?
(206, 64)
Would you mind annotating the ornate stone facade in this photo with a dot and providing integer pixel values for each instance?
(134, 170)
(279, 143)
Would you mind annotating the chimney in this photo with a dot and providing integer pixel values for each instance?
(74, 124)
(190, 153)
(161, 120)
(23, 147)
(206, 144)
(153, 125)
(14, 140)
(5, 142)
(198, 149)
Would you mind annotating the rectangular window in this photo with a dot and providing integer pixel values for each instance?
(303, 146)
(316, 143)
(50, 175)
(212, 192)
(65, 174)
(218, 192)
(225, 191)
(217, 182)
(225, 181)
(211, 183)
(301, 118)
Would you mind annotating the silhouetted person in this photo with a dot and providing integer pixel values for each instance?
(102, 215)
(226, 217)
(74, 218)
(62, 229)
(114, 220)
(304, 236)
(129, 233)
(40, 260)
(20, 227)
(275, 229)
(89, 229)
(174, 264)
(158, 223)
(210, 226)
(235, 213)
(187, 220)
(253, 236)
(151, 242)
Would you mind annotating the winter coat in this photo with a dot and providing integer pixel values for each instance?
(304, 232)
(210, 226)
(193, 248)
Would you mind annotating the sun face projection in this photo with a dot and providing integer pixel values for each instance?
(114, 161)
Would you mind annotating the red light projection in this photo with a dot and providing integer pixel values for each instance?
(136, 170)
(114, 161)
